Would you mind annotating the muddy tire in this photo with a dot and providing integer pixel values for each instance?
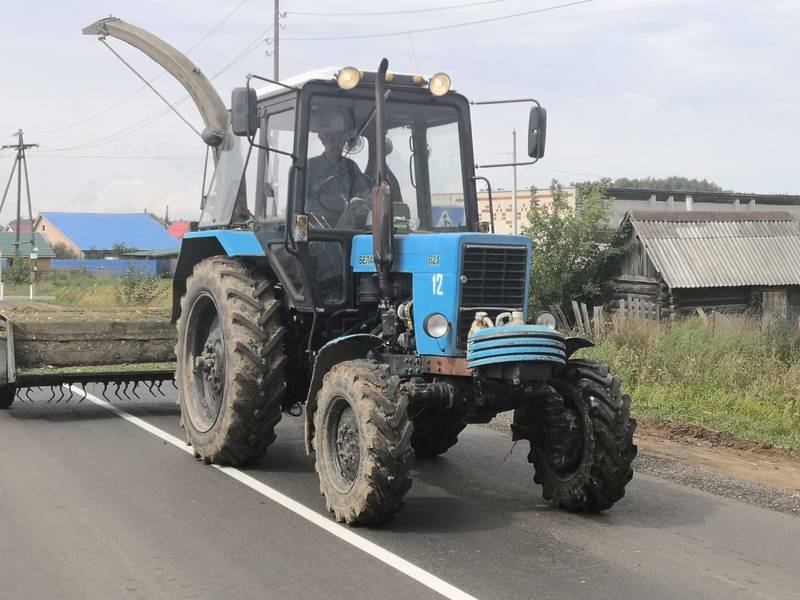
(436, 435)
(581, 436)
(231, 364)
(362, 442)
(7, 393)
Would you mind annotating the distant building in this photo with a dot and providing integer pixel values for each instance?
(101, 232)
(725, 261)
(625, 200)
(24, 226)
(44, 251)
(448, 209)
(178, 229)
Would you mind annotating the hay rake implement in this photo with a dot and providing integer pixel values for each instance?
(54, 361)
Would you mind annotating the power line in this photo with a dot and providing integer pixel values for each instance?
(123, 100)
(437, 27)
(393, 12)
(116, 157)
(149, 120)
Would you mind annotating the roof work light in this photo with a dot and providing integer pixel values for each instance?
(440, 84)
(348, 78)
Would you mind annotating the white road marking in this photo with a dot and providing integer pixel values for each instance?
(342, 532)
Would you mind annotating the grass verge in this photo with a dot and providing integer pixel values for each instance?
(725, 373)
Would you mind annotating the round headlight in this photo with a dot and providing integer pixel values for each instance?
(547, 319)
(436, 325)
(348, 78)
(439, 84)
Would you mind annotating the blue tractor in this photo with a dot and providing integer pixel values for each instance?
(341, 262)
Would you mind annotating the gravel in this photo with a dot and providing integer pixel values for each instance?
(708, 481)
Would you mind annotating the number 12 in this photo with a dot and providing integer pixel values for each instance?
(438, 280)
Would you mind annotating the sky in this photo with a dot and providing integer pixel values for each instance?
(633, 88)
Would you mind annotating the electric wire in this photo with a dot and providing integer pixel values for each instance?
(136, 92)
(437, 27)
(381, 13)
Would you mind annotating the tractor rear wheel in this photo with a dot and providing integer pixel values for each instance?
(362, 442)
(231, 365)
(435, 435)
(7, 393)
(581, 437)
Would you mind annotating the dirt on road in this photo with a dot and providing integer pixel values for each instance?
(721, 452)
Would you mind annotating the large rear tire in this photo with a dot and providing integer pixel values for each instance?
(362, 442)
(231, 364)
(7, 394)
(436, 435)
(581, 436)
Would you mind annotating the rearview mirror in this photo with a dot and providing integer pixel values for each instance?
(244, 111)
(537, 132)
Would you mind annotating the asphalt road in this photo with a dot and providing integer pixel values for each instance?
(95, 507)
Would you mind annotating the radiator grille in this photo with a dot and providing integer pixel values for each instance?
(493, 279)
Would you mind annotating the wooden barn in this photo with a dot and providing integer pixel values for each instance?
(677, 262)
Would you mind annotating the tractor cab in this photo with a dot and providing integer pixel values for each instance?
(314, 149)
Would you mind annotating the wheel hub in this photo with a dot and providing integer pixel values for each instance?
(564, 439)
(348, 451)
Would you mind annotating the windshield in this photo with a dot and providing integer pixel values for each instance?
(423, 158)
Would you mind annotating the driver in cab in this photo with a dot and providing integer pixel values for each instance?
(335, 185)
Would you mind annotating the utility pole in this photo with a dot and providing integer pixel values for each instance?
(514, 186)
(276, 40)
(20, 165)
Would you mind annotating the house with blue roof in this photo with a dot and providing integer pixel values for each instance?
(84, 232)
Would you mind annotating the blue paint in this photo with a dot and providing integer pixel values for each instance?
(101, 231)
(235, 243)
(515, 343)
(116, 267)
(434, 261)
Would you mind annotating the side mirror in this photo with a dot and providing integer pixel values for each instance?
(537, 132)
(244, 111)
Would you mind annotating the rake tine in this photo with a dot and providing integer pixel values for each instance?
(150, 387)
(117, 385)
(85, 394)
(125, 390)
(61, 394)
(53, 394)
(158, 387)
(27, 395)
(175, 385)
(133, 391)
(105, 387)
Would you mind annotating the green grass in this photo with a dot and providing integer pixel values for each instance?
(726, 374)
(86, 290)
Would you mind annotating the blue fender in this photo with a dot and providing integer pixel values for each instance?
(348, 347)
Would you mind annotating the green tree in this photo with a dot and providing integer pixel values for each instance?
(61, 250)
(570, 247)
(682, 184)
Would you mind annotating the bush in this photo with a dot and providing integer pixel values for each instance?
(19, 271)
(137, 289)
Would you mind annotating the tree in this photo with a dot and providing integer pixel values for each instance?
(61, 250)
(570, 247)
(682, 184)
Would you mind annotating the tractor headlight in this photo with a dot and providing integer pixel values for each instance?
(348, 78)
(436, 325)
(440, 84)
(547, 319)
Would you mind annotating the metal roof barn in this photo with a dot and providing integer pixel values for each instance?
(702, 249)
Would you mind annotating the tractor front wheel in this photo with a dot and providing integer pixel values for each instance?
(362, 442)
(581, 437)
(231, 372)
